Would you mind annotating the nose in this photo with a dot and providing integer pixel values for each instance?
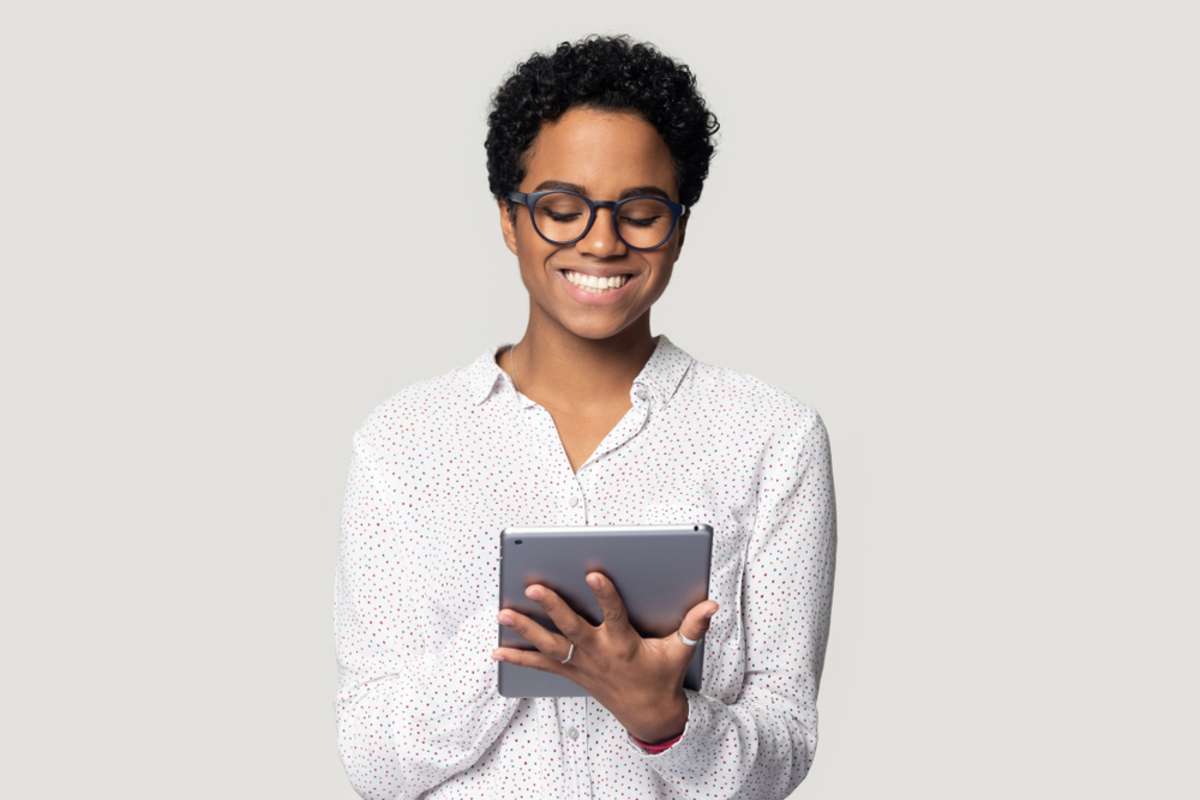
(602, 240)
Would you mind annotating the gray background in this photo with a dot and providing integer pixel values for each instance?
(964, 232)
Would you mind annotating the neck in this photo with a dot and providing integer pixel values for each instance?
(567, 372)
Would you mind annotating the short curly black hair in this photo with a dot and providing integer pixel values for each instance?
(606, 72)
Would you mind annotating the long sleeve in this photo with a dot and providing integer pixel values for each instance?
(762, 746)
(413, 708)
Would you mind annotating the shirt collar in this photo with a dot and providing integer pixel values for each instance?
(661, 373)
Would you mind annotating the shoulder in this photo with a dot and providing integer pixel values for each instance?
(419, 412)
(744, 399)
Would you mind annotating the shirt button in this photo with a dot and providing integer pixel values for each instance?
(574, 501)
(574, 734)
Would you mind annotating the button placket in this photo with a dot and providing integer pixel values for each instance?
(586, 711)
(577, 733)
(577, 499)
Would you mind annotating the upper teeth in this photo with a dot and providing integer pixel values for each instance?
(593, 282)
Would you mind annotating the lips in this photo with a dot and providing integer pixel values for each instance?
(595, 274)
(605, 298)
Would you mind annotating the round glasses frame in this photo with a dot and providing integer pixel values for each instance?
(529, 200)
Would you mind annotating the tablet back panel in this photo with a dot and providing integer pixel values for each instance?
(660, 571)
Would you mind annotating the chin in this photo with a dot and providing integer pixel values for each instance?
(596, 329)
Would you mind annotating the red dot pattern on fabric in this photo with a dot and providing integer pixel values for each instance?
(440, 467)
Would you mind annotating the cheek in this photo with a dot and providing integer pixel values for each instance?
(532, 254)
(661, 271)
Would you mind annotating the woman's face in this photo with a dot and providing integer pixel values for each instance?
(603, 153)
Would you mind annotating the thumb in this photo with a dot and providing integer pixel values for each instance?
(695, 624)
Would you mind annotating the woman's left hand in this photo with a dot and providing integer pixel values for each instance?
(638, 679)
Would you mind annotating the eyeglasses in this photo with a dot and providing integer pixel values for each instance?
(643, 222)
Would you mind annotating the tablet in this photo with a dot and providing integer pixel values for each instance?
(660, 571)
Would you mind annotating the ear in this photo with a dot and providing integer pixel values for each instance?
(683, 229)
(508, 227)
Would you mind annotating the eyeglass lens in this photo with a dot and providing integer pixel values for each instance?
(642, 222)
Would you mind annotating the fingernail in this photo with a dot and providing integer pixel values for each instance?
(504, 617)
(533, 592)
(593, 580)
(710, 614)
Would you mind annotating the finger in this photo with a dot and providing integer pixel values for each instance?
(534, 632)
(530, 658)
(615, 613)
(695, 624)
(569, 624)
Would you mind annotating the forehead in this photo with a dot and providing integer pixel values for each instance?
(603, 151)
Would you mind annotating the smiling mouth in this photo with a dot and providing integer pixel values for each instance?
(594, 284)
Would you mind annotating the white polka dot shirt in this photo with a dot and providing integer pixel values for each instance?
(439, 468)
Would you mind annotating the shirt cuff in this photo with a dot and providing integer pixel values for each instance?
(655, 748)
(686, 747)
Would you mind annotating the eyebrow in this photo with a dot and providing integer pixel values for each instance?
(575, 187)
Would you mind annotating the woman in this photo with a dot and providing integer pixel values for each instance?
(587, 420)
